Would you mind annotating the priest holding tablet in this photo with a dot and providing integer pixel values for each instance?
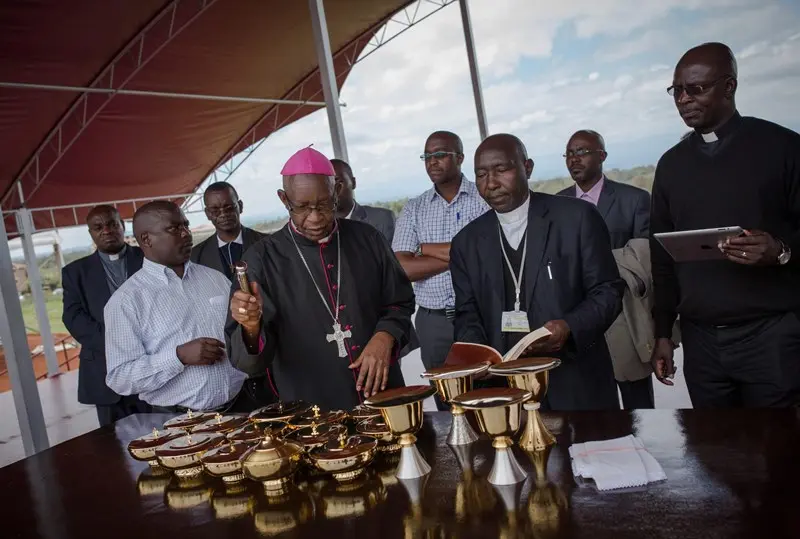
(738, 312)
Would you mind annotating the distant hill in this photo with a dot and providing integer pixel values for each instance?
(637, 176)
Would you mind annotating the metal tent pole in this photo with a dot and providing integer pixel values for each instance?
(18, 357)
(328, 75)
(469, 41)
(25, 227)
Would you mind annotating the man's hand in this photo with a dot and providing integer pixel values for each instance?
(374, 364)
(202, 351)
(559, 333)
(246, 309)
(436, 250)
(755, 248)
(662, 362)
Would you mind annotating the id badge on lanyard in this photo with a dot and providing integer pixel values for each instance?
(515, 321)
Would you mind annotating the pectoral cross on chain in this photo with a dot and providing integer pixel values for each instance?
(339, 336)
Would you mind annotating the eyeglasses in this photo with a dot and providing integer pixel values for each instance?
(692, 90)
(326, 208)
(436, 155)
(580, 152)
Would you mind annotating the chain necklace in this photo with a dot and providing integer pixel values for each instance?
(338, 335)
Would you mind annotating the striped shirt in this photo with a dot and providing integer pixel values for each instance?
(152, 314)
(429, 218)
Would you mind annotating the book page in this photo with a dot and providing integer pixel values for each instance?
(526, 341)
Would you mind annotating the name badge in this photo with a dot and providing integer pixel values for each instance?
(515, 322)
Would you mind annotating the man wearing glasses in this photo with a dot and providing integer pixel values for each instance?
(422, 239)
(739, 313)
(329, 307)
(626, 212)
(220, 252)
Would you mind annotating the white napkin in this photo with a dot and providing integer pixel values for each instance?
(619, 463)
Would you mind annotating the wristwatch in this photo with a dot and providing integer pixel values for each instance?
(785, 254)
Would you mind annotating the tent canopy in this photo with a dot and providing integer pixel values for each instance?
(87, 145)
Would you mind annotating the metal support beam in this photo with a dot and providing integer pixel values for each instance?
(25, 227)
(328, 75)
(18, 357)
(469, 41)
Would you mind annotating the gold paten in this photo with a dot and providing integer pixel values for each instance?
(345, 457)
(182, 455)
(530, 374)
(272, 462)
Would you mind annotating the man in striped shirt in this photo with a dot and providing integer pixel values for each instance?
(422, 238)
(165, 324)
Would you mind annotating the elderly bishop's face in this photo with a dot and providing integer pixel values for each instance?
(311, 202)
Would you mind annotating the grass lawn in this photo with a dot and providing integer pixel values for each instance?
(54, 310)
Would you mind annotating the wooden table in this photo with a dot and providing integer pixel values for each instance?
(730, 474)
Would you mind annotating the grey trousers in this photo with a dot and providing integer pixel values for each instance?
(435, 334)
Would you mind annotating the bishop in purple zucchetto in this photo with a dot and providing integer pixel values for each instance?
(308, 161)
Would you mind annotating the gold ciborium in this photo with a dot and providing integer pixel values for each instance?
(225, 461)
(315, 417)
(402, 410)
(345, 457)
(273, 463)
(451, 381)
(530, 374)
(182, 455)
(279, 412)
(144, 447)
(222, 424)
(498, 410)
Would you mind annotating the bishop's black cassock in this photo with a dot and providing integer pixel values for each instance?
(375, 296)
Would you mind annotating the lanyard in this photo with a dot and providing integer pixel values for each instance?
(517, 279)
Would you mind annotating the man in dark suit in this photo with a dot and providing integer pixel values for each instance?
(88, 284)
(348, 208)
(220, 252)
(625, 208)
(626, 212)
(380, 218)
(538, 260)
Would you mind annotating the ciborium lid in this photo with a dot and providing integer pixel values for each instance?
(155, 438)
(456, 371)
(374, 426)
(316, 435)
(524, 365)
(189, 419)
(231, 452)
(314, 415)
(492, 397)
(400, 396)
(279, 411)
(250, 433)
(362, 412)
(343, 446)
(221, 423)
(190, 444)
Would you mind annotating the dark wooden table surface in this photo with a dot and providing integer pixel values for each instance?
(730, 474)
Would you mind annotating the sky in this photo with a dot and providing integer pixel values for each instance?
(547, 70)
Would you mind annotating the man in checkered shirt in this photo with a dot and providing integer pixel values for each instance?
(422, 238)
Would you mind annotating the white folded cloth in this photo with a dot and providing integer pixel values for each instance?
(618, 463)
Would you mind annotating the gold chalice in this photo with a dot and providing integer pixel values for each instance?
(402, 410)
(498, 410)
(530, 374)
(451, 381)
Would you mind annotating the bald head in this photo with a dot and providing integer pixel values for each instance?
(162, 231)
(704, 86)
(502, 171)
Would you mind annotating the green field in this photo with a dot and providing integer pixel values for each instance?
(54, 309)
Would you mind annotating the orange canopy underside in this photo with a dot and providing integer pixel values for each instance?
(71, 148)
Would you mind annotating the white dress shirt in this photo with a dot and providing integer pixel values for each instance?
(152, 314)
(514, 223)
(222, 243)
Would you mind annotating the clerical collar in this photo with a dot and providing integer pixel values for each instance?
(516, 215)
(113, 257)
(223, 243)
(726, 129)
(349, 215)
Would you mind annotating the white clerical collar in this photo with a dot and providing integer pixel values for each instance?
(114, 257)
(709, 137)
(223, 243)
(517, 215)
(349, 215)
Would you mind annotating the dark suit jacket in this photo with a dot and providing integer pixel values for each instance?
(86, 293)
(625, 209)
(206, 253)
(585, 290)
(380, 218)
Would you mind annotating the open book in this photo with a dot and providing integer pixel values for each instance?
(465, 353)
